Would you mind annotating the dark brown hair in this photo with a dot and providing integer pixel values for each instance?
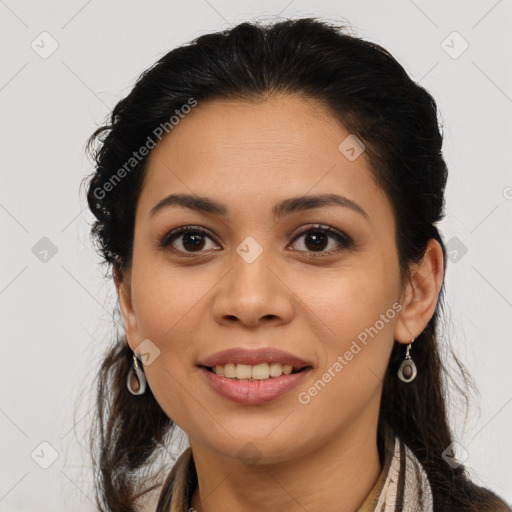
(370, 93)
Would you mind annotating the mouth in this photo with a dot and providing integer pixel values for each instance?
(240, 385)
(254, 376)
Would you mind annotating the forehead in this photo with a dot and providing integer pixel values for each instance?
(285, 126)
(255, 153)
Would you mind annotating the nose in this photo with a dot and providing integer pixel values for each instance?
(254, 292)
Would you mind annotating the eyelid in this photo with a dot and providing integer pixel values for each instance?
(322, 227)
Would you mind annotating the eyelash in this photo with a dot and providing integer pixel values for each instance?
(344, 240)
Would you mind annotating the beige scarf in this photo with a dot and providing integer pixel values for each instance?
(402, 486)
(406, 486)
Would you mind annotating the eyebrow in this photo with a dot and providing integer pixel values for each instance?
(281, 209)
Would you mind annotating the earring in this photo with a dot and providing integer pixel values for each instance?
(136, 380)
(407, 371)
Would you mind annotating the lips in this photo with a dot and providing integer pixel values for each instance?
(259, 392)
(254, 357)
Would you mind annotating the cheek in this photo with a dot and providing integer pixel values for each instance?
(352, 299)
(168, 313)
(358, 308)
(355, 354)
(166, 302)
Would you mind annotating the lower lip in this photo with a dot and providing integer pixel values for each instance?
(254, 392)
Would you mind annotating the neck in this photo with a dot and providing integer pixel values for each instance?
(337, 476)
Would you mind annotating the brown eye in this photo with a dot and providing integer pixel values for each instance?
(319, 239)
(186, 239)
(316, 239)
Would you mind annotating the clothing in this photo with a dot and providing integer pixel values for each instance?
(402, 484)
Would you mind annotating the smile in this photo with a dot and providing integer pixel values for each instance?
(250, 391)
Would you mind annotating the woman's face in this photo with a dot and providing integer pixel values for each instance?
(262, 280)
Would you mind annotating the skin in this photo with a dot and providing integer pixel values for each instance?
(249, 156)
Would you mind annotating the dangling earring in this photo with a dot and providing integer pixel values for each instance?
(136, 380)
(407, 371)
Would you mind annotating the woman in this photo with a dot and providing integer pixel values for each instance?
(267, 197)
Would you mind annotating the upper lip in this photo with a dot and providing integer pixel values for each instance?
(253, 357)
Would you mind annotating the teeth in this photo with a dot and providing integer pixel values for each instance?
(229, 370)
(277, 369)
(254, 372)
(243, 371)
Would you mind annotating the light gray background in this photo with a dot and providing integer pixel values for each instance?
(56, 314)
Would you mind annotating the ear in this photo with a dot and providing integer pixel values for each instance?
(421, 294)
(123, 287)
